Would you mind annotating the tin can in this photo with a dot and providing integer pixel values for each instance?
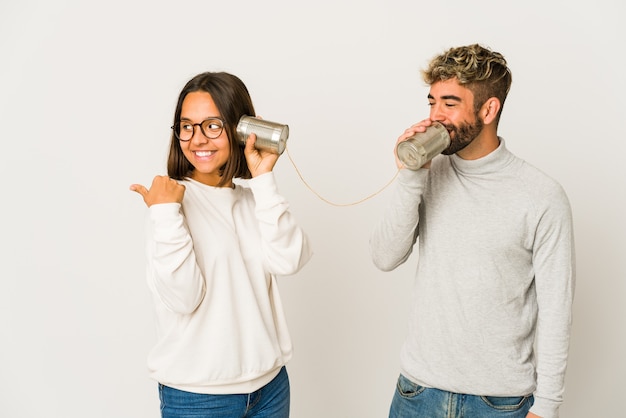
(270, 136)
(422, 147)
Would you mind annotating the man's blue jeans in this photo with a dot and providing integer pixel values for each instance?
(414, 401)
(271, 401)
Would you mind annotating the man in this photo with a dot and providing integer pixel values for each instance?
(488, 334)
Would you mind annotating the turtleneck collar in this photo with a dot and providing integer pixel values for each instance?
(493, 162)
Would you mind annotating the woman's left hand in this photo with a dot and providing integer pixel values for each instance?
(259, 161)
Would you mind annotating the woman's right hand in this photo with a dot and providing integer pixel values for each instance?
(418, 127)
(163, 190)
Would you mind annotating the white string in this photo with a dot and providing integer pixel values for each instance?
(328, 201)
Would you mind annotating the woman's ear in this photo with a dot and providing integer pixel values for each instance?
(490, 109)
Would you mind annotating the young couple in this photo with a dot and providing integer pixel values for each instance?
(489, 330)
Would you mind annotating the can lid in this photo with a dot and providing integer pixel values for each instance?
(411, 156)
(280, 139)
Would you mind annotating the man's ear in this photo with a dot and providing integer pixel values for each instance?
(490, 109)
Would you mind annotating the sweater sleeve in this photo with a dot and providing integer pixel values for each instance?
(285, 245)
(173, 274)
(554, 264)
(393, 238)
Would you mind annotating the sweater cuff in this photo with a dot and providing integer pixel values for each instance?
(545, 408)
(164, 211)
(263, 187)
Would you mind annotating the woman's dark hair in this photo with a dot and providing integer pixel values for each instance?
(233, 101)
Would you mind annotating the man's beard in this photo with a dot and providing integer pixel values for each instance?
(462, 135)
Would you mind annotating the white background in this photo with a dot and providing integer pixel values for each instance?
(87, 94)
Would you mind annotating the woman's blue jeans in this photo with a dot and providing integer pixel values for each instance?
(414, 401)
(271, 401)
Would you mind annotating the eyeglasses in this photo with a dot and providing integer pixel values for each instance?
(211, 128)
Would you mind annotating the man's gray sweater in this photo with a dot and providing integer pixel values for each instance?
(495, 276)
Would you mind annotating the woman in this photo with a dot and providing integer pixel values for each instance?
(214, 250)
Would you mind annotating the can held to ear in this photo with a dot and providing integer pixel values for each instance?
(270, 136)
(422, 147)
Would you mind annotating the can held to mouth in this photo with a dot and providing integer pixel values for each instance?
(270, 136)
(422, 147)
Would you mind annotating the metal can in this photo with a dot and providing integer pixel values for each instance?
(422, 147)
(270, 136)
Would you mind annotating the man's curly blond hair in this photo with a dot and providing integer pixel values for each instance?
(480, 69)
